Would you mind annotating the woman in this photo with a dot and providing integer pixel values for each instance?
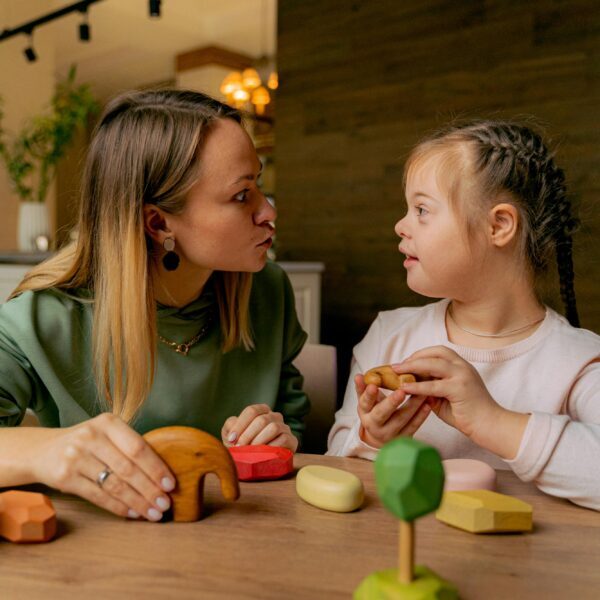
(154, 317)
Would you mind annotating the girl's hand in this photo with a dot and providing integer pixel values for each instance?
(258, 424)
(381, 419)
(72, 459)
(460, 398)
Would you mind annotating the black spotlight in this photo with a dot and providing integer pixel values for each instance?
(154, 8)
(30, 54)
(84, 32)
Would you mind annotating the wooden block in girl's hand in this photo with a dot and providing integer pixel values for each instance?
(26, 517)
(255, 463)
(386, 377)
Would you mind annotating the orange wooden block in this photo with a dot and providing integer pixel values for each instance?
(191, 453)
(26, 517)
(261, 462)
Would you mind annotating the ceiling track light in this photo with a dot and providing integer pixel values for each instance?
(84, 28)
(29, 52)
(154, 7)
(28, 28)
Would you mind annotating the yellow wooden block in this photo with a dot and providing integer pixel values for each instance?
(329, 488)
(483, 511)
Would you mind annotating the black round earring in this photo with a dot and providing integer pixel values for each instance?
(171, 258)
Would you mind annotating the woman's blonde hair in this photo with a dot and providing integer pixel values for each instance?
(144, 151)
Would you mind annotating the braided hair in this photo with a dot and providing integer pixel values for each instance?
(513, 159)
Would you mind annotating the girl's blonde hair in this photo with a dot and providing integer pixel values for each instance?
(144, 151)
(482, 162)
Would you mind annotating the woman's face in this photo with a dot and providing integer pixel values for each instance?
(226, 223)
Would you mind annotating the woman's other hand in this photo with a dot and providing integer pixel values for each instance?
(72, 460)
(258, 424)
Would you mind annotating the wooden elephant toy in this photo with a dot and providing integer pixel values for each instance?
(191, 453)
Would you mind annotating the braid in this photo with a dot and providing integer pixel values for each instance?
(564, 252)
(513, 158)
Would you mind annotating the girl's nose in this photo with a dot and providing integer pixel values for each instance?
(400, 228)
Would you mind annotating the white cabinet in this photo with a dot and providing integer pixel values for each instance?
(306, 281)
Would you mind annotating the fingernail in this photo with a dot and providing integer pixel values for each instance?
(154, 515)
(232, 437)
(132, 514)
(167, 484)
(162, 503)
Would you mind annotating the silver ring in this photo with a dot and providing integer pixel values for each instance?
(103, 476)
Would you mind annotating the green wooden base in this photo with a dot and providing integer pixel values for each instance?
(384, 585)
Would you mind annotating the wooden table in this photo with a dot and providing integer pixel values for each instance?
(270, 544)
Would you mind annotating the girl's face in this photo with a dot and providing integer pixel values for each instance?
(440, 263)
(226, 224)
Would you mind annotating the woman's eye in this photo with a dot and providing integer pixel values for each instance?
(241, 196)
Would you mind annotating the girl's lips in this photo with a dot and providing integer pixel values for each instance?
(409, 261)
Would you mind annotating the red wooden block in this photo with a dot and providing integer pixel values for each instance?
(254, 463)
(26, 517)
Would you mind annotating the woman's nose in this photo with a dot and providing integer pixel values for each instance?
(266, 212)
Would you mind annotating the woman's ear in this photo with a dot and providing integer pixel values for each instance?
(155, 223)
(503, 224)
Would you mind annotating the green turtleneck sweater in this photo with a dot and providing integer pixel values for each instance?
(46, 361)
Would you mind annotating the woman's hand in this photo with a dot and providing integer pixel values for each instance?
(459, 397)
(258, 424)
(380, 416)
(72, 459)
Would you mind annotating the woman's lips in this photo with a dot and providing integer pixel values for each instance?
(266, 244)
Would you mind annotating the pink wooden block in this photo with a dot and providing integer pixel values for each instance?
(254, 463)
(468, 474)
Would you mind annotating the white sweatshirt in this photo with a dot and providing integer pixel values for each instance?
(554, 374)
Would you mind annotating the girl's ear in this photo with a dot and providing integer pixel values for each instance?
(503, 224)
(155, 223)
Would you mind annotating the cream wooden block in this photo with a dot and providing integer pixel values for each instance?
(329, 488)
(483, 511)
(468, 474)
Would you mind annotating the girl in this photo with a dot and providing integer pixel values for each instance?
(154, 317)
(512, 382)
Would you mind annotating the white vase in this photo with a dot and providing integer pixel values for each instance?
(33, 221)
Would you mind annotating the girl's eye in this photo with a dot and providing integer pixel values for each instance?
(421, 211)
(241, 196)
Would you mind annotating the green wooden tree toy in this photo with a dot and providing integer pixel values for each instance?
(410, 482)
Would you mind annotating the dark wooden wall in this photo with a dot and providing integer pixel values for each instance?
(363, 80)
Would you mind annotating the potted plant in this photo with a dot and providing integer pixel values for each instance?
(32, 154)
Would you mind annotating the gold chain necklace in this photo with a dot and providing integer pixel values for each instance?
(493, 335)
(184, 347)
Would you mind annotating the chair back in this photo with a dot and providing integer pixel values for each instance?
(318, 364)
